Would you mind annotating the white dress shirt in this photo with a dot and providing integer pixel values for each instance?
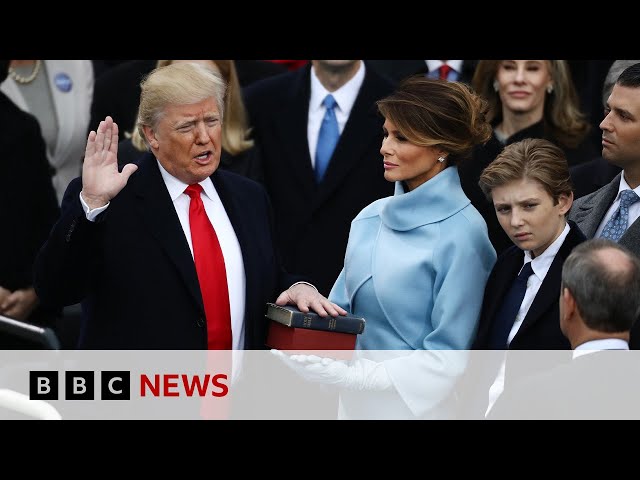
(634, 209)
(540, 266)
(345, 97)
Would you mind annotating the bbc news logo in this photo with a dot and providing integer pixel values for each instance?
(116, 385)
(79, 385)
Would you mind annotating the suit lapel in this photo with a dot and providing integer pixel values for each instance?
(155, 207)
(590, 213)
(241, 221)
(631, 238)
(293, 130)
(240, 227)
(549, 291)
(504, 278)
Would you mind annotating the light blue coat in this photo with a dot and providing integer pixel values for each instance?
(415, 267)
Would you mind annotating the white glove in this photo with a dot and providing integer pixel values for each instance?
(363, 374)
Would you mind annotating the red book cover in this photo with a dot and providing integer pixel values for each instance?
(299, 340)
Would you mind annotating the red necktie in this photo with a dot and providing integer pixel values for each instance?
(211, 271)
(444, 71)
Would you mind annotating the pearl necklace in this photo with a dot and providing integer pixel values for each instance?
(28, 79)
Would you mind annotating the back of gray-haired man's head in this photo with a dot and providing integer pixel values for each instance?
(606, 287)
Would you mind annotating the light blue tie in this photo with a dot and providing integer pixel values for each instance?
(617, 224)
(327, 137)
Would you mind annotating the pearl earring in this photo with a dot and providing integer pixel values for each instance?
(496, 86)
(549, 89)
(441, 159)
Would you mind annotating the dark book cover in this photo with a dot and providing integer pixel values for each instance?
(293, 340)
(292, 317)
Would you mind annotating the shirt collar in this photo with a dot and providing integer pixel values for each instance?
(600, 344)
(542, 263)
(625, 186)
(436, 199)
(345, 96)
(436, 64)
(177, 187)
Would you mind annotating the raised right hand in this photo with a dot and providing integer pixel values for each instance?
(101, 180)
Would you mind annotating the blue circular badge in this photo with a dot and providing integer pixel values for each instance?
(63, 82)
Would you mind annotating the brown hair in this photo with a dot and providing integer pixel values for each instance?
(562, 115)
(531, 158)
(432, 112)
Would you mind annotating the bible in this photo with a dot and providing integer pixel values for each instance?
(294, 340)
(290, 316)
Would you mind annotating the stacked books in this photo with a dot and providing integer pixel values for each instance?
(292, 330)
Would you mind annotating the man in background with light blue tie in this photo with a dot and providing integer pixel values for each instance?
(612, 211)
(319, 135)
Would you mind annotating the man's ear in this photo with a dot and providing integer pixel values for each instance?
(150, 135)
(569, 306)
(565, 201)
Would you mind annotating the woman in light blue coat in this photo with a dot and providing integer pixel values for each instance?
(416, 262)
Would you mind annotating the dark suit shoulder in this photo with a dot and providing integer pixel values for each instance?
(508, 256)
(21, 124)
(270, 89)
(125, 74)
(374, 78)
(398, 70)
(24, 153)
(250, 71)
(575, 235)
(505, 264)
(590, 176)
(579, 202)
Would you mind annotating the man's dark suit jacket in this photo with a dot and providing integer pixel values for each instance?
(596, 386)
(313, 221)
(134, 271)
(589, 211)
(28, 203)
(540, 329)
